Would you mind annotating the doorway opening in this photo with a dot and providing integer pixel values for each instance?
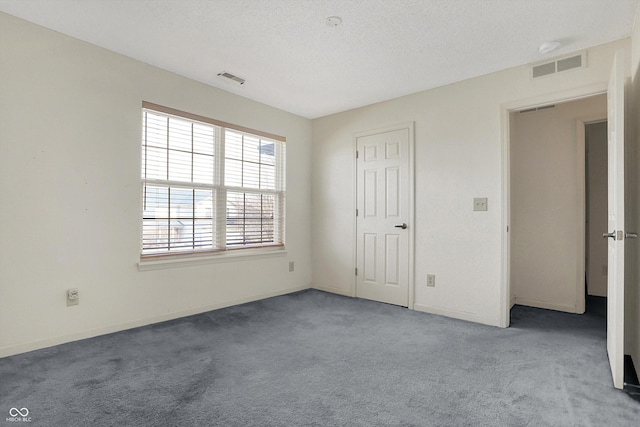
(548, 203)
(614, 112)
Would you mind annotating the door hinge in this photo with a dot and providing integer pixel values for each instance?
(356, 212)
(357, 154)
(356, 271)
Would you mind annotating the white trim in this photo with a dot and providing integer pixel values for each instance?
(505, 110)
(556, 97)
(506, 299)
(335, 290)
(410, 126)
(412, 216)
(548, 305)
(581, 219)
(11, 350)
(210, 258)
(462, 315)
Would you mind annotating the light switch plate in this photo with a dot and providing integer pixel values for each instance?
(480, 204)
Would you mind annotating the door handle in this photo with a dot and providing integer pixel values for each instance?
(630, 235)
(403, 226)
(615, 235)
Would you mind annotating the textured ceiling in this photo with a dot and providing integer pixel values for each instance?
(293, 61)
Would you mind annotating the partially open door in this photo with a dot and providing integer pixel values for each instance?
(615, 232)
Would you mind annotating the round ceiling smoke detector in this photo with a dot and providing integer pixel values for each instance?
(548, 47)
(334, 21)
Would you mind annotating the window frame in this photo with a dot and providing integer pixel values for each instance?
(219, 246)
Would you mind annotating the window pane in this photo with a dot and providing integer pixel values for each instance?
(203, 234)
(267, 153)
(203, 168)
(156, 130)
(155, 235)
(181, 234)
(251, 175)
(156, 202)
(203, 139)
(268, 215)
(179, 166)
(267, 177)
(235, 219)
(179, 135)
(250, 218)
(251, 149)
(232, 145)
(233, 173)
(204, 204)
(181, 203)
(156, 163)
(155, 225)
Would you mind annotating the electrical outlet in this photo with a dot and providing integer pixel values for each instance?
(73, 296)
(291, 266)
(431, 280)
(480, 204)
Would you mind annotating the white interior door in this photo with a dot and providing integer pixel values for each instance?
(383, 215)
(615, 232)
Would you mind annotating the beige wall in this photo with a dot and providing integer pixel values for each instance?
(70, 193)
(459, 153)
(596, 213)
(548, 205)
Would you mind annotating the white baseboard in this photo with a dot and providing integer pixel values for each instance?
(462, 315)
(333, 290)
(547, 305)
(63, 339)
(470, 317)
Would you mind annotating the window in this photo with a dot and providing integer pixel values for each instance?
(208, 185)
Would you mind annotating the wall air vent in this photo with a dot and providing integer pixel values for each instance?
(559, 65)
(544, 107)
(231, 77)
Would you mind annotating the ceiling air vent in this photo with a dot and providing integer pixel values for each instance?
(559, 65)
(230, 76)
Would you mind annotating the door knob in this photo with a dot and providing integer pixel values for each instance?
(612, 235)
(403, 226)
(630, 235)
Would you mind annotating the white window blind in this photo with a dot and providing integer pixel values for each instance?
(208, 186)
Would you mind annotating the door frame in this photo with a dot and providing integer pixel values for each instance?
(410, 126)
(505, 111)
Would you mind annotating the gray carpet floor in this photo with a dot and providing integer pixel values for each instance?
(317, 359)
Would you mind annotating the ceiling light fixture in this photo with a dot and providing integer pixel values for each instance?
(334, 21)
(548, 47)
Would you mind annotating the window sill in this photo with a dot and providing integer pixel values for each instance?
(229, 256)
